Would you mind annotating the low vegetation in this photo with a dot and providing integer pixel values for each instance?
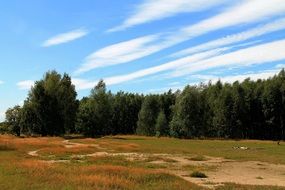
(121, 162)
(198, 174)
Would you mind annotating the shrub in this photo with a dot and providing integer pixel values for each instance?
(198, 174)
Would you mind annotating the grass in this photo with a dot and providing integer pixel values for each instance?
(198, 174)
(6, 147)
(18, 170)
(203, 168)
(266, 151)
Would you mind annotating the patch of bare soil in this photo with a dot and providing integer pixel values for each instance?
(230, 171)
(34, 153)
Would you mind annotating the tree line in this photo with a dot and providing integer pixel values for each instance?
(246, 110)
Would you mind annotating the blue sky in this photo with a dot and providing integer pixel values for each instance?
(145, 46)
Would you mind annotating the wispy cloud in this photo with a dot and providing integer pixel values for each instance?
(2, 116)
(276, 25)
(151, 10)
(233, 78)
(245, 12)
(65, 37)
(260, 54)
(86, 84)
(268, 52)
(120, 53)
(1, 82)
(280, 66)
(82, 84)
(213, 78)
(25, 85)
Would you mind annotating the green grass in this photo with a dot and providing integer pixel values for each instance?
(266, 151)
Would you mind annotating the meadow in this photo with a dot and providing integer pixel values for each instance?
(137, 162)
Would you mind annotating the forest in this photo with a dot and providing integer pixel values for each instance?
(241, 110)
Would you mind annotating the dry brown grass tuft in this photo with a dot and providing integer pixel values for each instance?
(35, 164)
(61, 150)
(105, 182)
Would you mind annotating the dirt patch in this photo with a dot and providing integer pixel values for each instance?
(34, 153)
(229, 171)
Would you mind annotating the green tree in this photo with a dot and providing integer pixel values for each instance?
(125, 112)
(51, 106)
(147, 116)
(161, 125)
(13, 120)
(94, 115)
(187, 122)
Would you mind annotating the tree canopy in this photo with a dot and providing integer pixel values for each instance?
(241, 110)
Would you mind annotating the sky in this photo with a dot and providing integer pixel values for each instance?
(143, 46)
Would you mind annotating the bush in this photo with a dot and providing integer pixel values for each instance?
(198, 174)
(4, 128)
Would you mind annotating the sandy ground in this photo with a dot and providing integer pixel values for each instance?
(241, 172)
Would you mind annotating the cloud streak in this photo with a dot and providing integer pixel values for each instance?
(151, 10)
(120, 53)
(245, 12)
(86, 84)
(276, 25)
(260, 54)
(233, 78)
(25, 85)
(65, 37)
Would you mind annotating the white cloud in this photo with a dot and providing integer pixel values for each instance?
(244, 12)
(165, 89)
(120, 53)
(151, 10)
(233, 78)
(25, 85)
(86, 84)
(160, 68)
(276, 25)
(280, 66)
(2, 116)
(82, 84)
(65, 37)
(268, 52)
(264, 53)
(248, 11)
(1, 82)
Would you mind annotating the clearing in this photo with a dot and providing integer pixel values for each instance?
(133, 162)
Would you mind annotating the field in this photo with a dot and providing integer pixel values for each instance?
(133, 162)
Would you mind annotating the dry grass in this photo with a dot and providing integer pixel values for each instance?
(61, 150)
(21, 171)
